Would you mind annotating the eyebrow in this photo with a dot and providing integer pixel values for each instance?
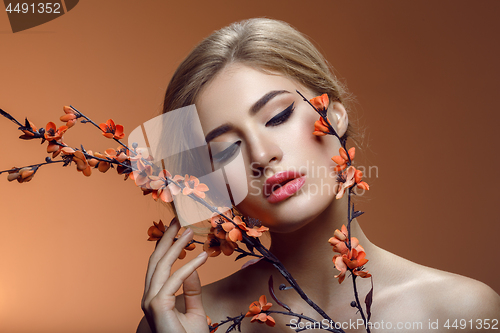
(256, 107)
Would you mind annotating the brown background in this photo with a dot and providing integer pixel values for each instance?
(73, 251)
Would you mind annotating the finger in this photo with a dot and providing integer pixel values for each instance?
(192, 294)
(164, 266)
(179, 277)
(161, 248)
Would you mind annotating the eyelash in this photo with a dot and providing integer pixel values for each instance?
(226, 153)
(275, 121)
(282, 116)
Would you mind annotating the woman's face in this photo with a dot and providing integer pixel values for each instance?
(272, 125)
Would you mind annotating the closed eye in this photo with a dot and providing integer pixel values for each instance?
(226, 153)
(275, 121)
(282, 116)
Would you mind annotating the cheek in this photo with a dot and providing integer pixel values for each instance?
(237, 179)
(312, 148)
(315, 152)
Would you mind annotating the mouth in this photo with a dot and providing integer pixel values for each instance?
(282, 185)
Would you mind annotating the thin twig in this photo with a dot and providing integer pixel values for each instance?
(93, 123)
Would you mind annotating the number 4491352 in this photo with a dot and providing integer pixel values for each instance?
(41, 8)
(487, 324)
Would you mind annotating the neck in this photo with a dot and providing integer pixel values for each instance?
(307, 255)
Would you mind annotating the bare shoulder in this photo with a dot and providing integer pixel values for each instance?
(468, 298)
(433, 293)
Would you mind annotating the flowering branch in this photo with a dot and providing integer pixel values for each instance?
(48, 160)
(109, 128)
(83, 159)
(225, 234)
(236, 322)
(248, 240)
(226, 228)
(268, 256)
(352, 255)
(246, 253)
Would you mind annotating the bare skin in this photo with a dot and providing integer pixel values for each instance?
(404, 292)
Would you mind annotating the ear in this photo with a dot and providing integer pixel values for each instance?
(337, 114)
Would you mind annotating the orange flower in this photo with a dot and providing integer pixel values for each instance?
(254, 228)
(138, 154)
(360, 184)
(55, 147)
(214, 246)
(217, 221)
(233, 233)
(349, 177)
(189, 247)
(138, 159)
(346, 180)
(22, 175)
(320, 102)
(342, 160)
(70, 116)
(223, 229)
(194, 186)
(256, 309)
(141, 174)
(54, 137)
(110, 130)
(92, 161)
(102, 166)
(229, 232)
(353, 260)
(30, 131)
(341, 266)
(164, 189)
(356, 260)
(320, 127)
(339, 241)
(79, 158)
(124, 169)
(119, 154)
(81, 163)
(53, 133)
(209, 322)
(156, 231)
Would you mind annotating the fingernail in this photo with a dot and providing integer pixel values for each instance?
(202, 254)
(172, 222)
(187, 232)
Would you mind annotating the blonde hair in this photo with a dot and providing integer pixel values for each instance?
(265, 44)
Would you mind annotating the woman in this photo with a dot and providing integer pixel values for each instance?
(247, 75)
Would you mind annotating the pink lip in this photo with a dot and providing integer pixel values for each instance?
(285, 191)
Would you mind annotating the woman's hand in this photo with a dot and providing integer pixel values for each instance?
(158, 301)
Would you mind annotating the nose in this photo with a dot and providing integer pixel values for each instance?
(264, 153)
